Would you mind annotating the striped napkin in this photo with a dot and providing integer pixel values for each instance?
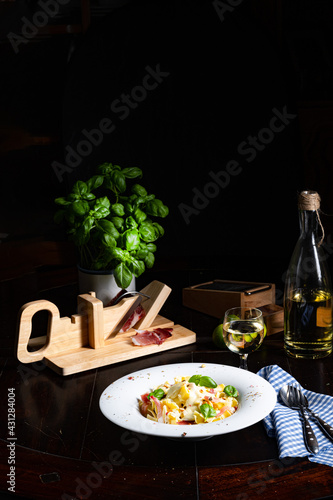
(285, 424)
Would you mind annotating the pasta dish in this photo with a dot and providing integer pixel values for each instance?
(189, 400)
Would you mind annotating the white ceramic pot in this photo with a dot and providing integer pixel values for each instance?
(102, 283)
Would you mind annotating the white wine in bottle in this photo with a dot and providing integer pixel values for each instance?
(308, 292)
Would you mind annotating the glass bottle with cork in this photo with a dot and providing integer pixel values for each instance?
(308, 291)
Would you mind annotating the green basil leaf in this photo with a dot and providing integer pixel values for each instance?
(101, 212)
(122, 275)
(150, 197)
(139, 215)
(230, 390)
(88, 223)
(136, 266)
(140, 254)
(132, 172)
(195, 379)
(119, 181)
(149, 260)
(207, 382)
(108, 184)
(118, 223)
(151, 247)
(132, 239)
(89, 196)
(128, 207)
(157, 208)
(158, 394)
(118, 254)
(139, 190)
(61, 201)
(102, 202)
(118, 209)
(73, 197)
(203, 381)
(142, 251)
(105, 168)
(80, 188)
(207, 411)
(108, 240)
(148, 232)
(107, 227)
(139, 200)
(95, 182)
(80, 207)
(130, 223)
(159, 229)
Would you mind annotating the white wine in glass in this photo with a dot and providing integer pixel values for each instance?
(243, 331)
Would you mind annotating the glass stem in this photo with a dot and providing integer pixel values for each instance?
(243, 361)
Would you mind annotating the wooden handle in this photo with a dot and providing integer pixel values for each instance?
(93, 309)
(25, 325)
(158, 293)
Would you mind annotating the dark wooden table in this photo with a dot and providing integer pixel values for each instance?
(66, 449)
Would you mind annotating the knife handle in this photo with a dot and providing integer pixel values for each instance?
(328, 429)
(309, 436)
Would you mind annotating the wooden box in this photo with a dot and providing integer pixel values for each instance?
(217, 296)
(273, 317)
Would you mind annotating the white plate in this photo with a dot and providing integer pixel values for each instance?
(119, 402)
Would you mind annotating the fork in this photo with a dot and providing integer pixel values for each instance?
(309, 436)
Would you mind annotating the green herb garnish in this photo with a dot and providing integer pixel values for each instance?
(158, 394)
(207, 411)
(203, 381)
(230, 390)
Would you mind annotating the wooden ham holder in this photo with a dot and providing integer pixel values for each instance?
(87, 340)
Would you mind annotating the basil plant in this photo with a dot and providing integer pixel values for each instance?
(111, 230)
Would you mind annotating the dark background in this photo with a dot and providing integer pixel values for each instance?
(229, 67)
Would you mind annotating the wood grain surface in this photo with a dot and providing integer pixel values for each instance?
(66, 449)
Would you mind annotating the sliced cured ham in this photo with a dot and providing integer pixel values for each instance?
(133, 319)
(158, 407)
(157, 336)
(144, 404)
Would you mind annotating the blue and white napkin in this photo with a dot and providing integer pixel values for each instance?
(285, 424)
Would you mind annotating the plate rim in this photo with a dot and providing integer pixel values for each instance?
(148, 427)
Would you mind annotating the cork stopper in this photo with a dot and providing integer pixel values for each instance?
(309, 200)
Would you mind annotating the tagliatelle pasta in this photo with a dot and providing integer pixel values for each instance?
(189, 401)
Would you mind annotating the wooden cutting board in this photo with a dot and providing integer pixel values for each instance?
(87, 340)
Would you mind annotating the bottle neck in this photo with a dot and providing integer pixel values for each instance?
(308, 220)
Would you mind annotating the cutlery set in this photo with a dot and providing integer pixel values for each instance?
(294, 398)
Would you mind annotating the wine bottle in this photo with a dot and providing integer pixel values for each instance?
(308, 291)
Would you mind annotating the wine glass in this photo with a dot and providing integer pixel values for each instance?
(243, 331)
